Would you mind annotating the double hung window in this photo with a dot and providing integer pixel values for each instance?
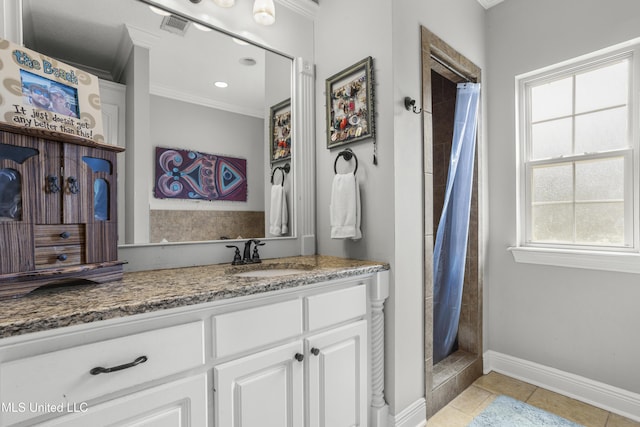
(578, 155)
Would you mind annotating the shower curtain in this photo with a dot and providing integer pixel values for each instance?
(450, 251)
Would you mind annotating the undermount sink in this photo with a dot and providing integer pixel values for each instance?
(268, 269)
(271, 272)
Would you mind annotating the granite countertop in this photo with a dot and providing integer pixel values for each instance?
(147, 291)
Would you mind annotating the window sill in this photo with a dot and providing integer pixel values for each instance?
(592, 260)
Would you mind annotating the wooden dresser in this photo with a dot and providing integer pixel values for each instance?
(58, 210)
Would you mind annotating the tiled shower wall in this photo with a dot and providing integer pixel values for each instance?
(444, 103)
(190, 226)
(451, 376)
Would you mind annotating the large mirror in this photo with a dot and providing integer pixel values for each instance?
(165, 70)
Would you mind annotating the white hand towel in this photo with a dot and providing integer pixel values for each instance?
(279, 217)
(345, 207)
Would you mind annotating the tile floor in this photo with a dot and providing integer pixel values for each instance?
(481, 393)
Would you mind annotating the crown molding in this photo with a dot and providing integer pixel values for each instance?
(306, 8)
(171, 93)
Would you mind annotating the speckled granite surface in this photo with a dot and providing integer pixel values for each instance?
(147, 291)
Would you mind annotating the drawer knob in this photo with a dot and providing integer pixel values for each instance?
(65, 235)
(299, 357)
(315, 351)
(62, 257)
(100, 370)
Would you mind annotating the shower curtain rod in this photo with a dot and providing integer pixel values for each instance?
(450, 68)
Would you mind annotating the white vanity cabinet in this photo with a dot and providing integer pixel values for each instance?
(322, 364)
(72, 380)
(181, 403)
(338, 377)
(306, 356)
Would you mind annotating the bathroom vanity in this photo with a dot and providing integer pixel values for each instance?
(289, 342)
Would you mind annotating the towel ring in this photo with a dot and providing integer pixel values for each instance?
(284, 169)
(347, 154)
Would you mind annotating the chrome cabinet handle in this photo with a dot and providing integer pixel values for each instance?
(100, 370)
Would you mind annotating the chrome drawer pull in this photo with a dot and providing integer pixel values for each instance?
(65, 235)
(100, 370)
(62, 257)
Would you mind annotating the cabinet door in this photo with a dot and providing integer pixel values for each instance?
(261, 390)
(100, 181)
(181, 403)
(20, 173)
(338, 377)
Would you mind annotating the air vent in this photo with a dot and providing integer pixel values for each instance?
(174, 24)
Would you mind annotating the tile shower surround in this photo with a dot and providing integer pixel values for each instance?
(452, 375)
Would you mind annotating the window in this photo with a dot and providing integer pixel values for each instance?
(578, 156)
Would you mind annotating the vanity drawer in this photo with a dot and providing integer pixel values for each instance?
(256, 327)
(56, 256)
(335, 307)
(58, 235)
(63, 377)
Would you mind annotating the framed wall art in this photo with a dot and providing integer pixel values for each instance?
(191, 175)
(42, 93)
(350, 115)
(280, 131)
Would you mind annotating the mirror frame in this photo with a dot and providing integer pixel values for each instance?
(292, 19)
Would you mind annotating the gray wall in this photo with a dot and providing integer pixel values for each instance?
(210, 131)
(579, 321)
(391, 192)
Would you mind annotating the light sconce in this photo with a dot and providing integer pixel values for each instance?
(264, 12)
(410, 104)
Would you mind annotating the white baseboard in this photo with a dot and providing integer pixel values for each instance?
(415, 415)
(613, 399)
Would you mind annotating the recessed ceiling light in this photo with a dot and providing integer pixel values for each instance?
(247, 61)
(159, 11)
(221, 84)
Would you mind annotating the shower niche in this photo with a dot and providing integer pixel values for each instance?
(442, 69)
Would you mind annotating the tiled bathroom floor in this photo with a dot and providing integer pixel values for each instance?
(481, 393)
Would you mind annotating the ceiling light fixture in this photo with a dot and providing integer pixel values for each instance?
(221, 84)
(225, 3)
(159, 11)
(264, 12)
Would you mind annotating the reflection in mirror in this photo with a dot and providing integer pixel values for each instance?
(170, 68)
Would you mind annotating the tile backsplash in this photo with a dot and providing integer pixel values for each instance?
(187, 226)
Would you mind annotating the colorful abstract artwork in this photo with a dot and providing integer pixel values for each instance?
(184, 174)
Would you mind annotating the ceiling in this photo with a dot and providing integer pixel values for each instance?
(93, 34)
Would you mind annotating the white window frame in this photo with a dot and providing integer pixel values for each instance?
(620, 258)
